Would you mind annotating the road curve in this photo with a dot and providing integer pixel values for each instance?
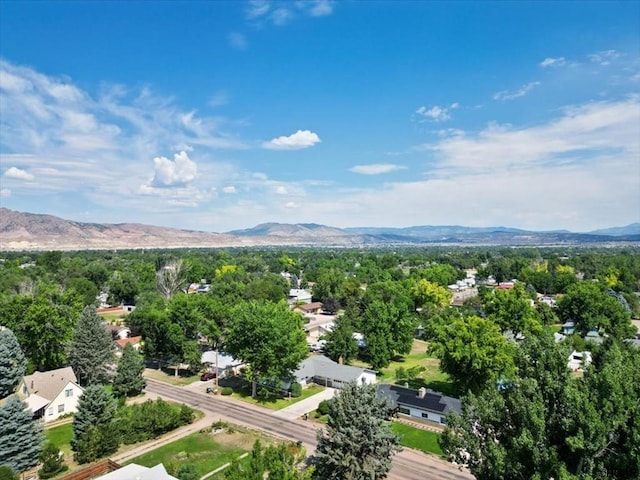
(407, 465)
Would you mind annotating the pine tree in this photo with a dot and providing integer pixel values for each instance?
(93, 435)
(128, 380)
(52, 461)
(20, 436)
(91, 349)
(358, 443)
(12, 362)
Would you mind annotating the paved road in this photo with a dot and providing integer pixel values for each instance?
(407, 465)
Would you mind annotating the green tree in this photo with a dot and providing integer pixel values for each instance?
(357, 443)
(129, 380)
(430, 296)
(52, 460)
(94, 430)
(276, 462)
(6, 473)
(473, 352)
(512, 310)
(12, 362)
(589, 306)
(21, 436)
(269, 337)
(340, 341)
(91, 349)
(85, 288)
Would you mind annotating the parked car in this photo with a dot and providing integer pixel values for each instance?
(207, 376)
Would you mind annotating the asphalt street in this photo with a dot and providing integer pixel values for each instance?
(407, 465)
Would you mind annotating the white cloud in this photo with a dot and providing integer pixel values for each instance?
(237, 40)
(5, 193)
(436, 113)
(229, 189)
(281, 190)
(168, 173)
(291, 205)
(18, 173)
(375, 168)
(300, 139)
(257, 8)
(521, 92)
(553, 62)
(604, 57)
(319, 8)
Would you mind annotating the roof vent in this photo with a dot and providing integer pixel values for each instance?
(422, 392)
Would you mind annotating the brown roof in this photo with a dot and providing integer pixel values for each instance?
(310, 306)
(122, 342)
(49, 384)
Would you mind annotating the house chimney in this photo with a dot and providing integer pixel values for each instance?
(406, 384)
(340, 361)
(422, 392)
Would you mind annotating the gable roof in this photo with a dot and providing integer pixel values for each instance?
(309, 306)
(432, 401)
(122, 342)
(321, 366)
(49, 384)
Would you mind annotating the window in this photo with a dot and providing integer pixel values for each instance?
(425, 415)
(61, 408)
(68, 392)
(50, 411)
(443, 420)
(406, 411)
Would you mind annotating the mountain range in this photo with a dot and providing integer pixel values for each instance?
(29, 231)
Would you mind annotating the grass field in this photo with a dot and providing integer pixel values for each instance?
(417, 438)
(275, 401)
(60, 436)
(168, 376)
(204, 451)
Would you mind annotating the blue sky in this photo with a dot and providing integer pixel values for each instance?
(222, 115)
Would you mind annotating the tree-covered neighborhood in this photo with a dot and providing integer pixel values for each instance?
(525, 362)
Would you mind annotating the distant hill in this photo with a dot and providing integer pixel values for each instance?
(28, 231)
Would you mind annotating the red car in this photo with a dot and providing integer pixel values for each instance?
(207, 376)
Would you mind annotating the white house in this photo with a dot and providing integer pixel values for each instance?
(423, 403)
(226, 363)
(51, 394)
(299, 295)
(578, 360)
(324, 371)
(134, 471)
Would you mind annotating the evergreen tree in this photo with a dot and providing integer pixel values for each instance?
(358, 443)
(91, 349)
(52, 461)
(94, 434)
(20, 436)
(128, 380)
(12, 362)
(6, 473)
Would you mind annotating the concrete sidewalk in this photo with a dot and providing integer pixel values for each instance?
(307, 405)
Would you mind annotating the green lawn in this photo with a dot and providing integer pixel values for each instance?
(275, 401)
(61, 435)
(417, 438)
(168, 376)
(204, 451)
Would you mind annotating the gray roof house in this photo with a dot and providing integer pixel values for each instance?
(422, 403)
(326, 372)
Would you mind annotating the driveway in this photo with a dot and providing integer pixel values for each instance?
(307, 405)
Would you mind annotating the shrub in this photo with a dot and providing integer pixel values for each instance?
(401, 373)
(226, 391)
(323, 407)
(7, 474)
(52, 461)
(296, 389)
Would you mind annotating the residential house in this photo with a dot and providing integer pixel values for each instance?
(51, 394)
(226, 364)
(299, 296)
(578, 360)
(568, 327)
(118, 331)
(324, 371)
(312, 308)
(423, 403)
(134, 471)
(136, 342)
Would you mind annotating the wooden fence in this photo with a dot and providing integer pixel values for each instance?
(92, 471)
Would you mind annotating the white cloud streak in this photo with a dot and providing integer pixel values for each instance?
(521, 92)
(553, 62)
(18, 173)
(436, 113)
(376, 168)
(296, 141)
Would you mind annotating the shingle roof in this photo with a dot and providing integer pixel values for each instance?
(122, 342)
(319, 365)
(49, 384)
(432, 401)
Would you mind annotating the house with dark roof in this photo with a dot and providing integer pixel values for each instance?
(423, 403)
(324, 371)
(51, 394)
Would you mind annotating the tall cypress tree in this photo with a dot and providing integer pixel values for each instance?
(12, 362)
(358, 443)
(91, 349)
(20, 435)
(128, 380)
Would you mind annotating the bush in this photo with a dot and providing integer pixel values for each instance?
(52, 461)
(401, 373)
(323, 407)
(7, 474)
(143, 421)
(296, 389)
(226, 391)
